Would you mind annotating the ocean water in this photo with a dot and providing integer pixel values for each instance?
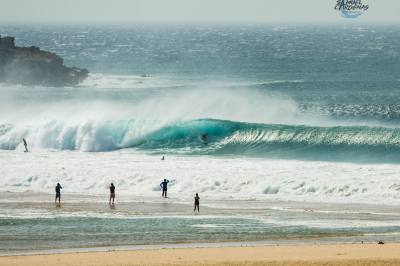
(295, 114)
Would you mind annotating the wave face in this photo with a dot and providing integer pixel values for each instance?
(278, 141)
(261, 93)
(255, 91)
(343, 143)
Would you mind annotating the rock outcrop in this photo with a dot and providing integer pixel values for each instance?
(32, 66)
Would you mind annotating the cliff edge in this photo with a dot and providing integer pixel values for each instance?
(32, 66)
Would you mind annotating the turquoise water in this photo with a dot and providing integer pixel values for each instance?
(316, 93)
(37, 229)
(38, 233)
(296, 114)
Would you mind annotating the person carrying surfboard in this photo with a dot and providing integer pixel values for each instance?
(164, 186)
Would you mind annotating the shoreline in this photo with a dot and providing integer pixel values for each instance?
(309, 254)
(173, 225)
(199, 245)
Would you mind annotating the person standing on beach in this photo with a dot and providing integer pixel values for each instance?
(164, 186)
(112, 194)
(58, 194)
(25, 144)
(197, 203)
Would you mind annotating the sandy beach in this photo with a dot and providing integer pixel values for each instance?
(337, 254)
(286, 128)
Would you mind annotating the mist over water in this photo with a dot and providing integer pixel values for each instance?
(303, 128)
(259, 91)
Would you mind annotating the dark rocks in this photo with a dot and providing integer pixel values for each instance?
(32, 66)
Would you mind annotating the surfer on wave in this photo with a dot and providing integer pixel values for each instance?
(204, 137)
(25, 144)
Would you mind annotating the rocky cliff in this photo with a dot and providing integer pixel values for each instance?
(32, 66)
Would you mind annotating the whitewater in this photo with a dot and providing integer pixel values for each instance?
(303, 141)
(261, 145)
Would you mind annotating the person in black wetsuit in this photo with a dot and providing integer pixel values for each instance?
(58, 194)
(204, 137)
(164, 186)
(112, 194)
(25, 144)
(197, 203)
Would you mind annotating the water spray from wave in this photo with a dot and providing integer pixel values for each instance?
(240, 122)
(225, 138)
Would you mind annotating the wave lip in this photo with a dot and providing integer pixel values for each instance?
(359, 143)
(343, 143)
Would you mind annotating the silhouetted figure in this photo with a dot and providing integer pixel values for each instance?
(26, 145)
(58, 194)
(164, 186)
(197, 203)
(204, 137)
(163, 158)
(112, 194)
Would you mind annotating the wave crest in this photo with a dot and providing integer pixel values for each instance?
(225, 138)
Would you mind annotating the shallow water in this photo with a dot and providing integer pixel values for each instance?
(30, 221)
(303, 126)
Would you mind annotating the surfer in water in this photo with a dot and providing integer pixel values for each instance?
(58, 194)
(25, 144)
(204, 137)
(164, 186)
(112, 194)
(196, 203)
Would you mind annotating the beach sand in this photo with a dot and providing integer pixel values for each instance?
(335, 254)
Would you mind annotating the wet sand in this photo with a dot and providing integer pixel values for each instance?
(172, 222)
(338, 254)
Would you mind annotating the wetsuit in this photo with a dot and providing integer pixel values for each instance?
(164, 186)
(58, 191)
(26, 145)
(112, 194)
(197, 203)
(112, 191)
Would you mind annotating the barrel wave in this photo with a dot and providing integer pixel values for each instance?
(291, 114)
(228, 138)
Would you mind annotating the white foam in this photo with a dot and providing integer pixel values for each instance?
(137, 175)
(89, 123)
(105, 81)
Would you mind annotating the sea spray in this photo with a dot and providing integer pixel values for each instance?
(342, 143)
(137, 177)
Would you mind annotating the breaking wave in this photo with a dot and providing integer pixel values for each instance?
(344, 143)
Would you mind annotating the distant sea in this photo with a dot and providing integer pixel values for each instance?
(305, 115)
